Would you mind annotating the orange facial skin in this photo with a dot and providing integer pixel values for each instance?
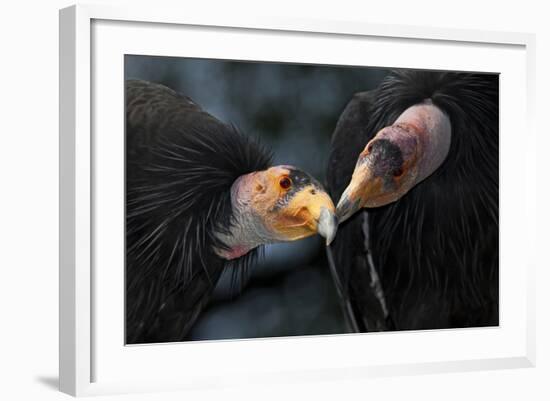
(289, 202)
(279, 204)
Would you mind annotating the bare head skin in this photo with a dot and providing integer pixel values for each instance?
(397, 158)
(279, 204)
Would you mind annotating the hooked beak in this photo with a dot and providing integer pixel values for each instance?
(327, 225)
(361, 191)
(384, 173)
(347, 206)
(309, 212)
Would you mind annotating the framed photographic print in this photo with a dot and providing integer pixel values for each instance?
(293, 200)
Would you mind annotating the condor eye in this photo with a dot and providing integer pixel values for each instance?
(398, 172)
(285, 182)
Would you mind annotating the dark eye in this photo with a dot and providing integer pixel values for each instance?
(369, 148)
(285, 182)
(398, 172)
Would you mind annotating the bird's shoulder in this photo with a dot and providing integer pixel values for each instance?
(155, 112)
(142, 94)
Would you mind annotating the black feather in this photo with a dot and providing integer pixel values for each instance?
(436, 249)
(181, 163)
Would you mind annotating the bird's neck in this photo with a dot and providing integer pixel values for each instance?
(247, 230)
(245, 234)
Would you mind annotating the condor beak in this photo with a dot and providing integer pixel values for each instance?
(328, 225)
(310, 211)
(363, 187)
(321, 214)
(382, 175)
(347, 206)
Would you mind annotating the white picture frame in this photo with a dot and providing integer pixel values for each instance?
(92, 353)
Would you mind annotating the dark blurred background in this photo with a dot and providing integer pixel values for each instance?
(293, 109)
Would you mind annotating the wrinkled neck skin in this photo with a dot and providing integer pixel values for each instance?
(247, 231)
(432, 129)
